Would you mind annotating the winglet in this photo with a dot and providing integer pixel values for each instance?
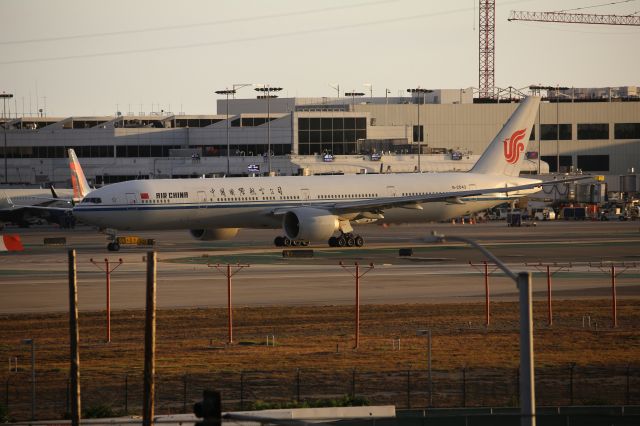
(78, 180)
(54, 194)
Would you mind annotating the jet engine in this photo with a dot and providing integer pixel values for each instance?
(214, 234)
(309, 224)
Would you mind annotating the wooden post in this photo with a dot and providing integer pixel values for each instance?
(486, 293)
(74, 338)
(106, 264)
(357, 306)
(229, 307)
(614, 302)
(549, 308)
(149, 343)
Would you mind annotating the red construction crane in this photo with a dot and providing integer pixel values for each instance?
(574, 18)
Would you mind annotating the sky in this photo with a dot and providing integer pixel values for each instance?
(86, 57)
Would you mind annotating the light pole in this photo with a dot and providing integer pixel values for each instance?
(33, 375)
(370, 86)
(386, 104)
(523, 282)
(4, 97)
(420, 92)
(267, 95)
(336, 87)
(227, 92)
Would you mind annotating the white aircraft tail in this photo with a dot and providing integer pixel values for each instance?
(78, 181)
(505, 154)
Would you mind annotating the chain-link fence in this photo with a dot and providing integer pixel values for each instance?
(118, 394)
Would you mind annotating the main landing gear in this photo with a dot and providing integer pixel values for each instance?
(114, 246)
(287, 242)
(346, 240)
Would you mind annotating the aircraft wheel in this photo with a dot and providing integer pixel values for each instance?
(110, 246)
(359, 241)
(333, 242)
(287, 242)
(342, 241)
(116, 247)
(351, 241)
(278, 241)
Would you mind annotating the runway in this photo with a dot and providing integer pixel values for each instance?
(36, 279)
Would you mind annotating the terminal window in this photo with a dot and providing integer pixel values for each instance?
(591, 131)
(627, 131)
(565, 162)
(335, 135)
(593, 163)
(552, 132)
(418, 133)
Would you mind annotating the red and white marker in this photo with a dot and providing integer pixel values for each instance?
(11, 243)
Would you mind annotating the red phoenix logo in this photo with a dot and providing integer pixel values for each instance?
(514, 146)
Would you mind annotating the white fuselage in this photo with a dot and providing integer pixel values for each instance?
(250, 202)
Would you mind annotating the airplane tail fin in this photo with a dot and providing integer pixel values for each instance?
(506, 153)
(78, 181)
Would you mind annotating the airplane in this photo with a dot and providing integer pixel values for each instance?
(23, 206)
(318, 208)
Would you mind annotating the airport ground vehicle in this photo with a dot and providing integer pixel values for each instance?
(118, 241)
(543, 213)
(514, 218)
(614, 213)
(573, 213)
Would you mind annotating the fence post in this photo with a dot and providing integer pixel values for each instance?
(409, 389)
(571, 367)
(627, 398)
(184, 394)
(464, 386)
(518, 384)
(242, 391)
(126, 394)
(68, 400)
(353, 383)
(298, 385)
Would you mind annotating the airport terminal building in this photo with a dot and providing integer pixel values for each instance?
(593, 133)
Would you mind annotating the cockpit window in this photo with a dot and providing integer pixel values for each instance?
(93, 200)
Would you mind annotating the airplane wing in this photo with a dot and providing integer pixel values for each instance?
(413, 202)
(43, 207)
